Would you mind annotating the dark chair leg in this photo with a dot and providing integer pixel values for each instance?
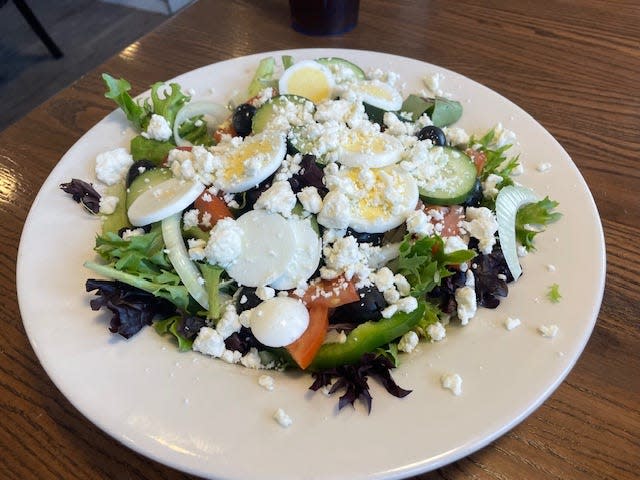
(37, 27)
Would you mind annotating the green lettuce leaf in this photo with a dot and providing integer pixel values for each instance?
(196, 132)
(533, 218)
(165, 102)
(424, 263)
(497, 162)
(118, 91)
(141, 253)
(211, 275)
(164, 285)
(170, 103)
(431, 315)
(171, 326)
(445, 111)
(140, 261)
(263, 77)
(148, 149)
(553, 294)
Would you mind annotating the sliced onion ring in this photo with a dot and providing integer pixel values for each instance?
(179, 258)
(217, 112)
(508, 201)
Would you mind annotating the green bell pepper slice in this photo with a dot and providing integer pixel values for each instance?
(366, 338)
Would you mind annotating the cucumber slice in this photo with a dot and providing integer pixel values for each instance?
(375, 114)
(442, 111)
(453, 182)
(146, 180)
(265, 114)
(337, 64)
(117, 220)
(416, 106)
(299, 141)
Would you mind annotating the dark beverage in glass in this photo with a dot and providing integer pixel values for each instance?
(324, 17)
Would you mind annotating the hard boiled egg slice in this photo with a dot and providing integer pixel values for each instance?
(379, 199)
(363, 147)
(163, 200)
(308, 79)
(268, 246)
(244, 164)
(377, 93)
(279, 321)
(306, 256)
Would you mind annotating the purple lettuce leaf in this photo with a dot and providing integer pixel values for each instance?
(131, 307)
(84, 193)
(353, 379)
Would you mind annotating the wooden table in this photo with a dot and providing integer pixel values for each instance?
(575, 66)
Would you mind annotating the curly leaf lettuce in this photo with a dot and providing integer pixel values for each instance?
(165, 102)
(553, 294)
(171, 101)
(533, 218)
(424, 263)
(118, 91)
(140, 261)
(164, 285)
(140, 253)
(497, 163)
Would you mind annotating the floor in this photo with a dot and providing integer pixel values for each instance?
(87, 31)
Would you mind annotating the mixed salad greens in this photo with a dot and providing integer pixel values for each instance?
(320, 221)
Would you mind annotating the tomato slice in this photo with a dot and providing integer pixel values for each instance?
(214, 206)
(226, 128)
(452, 214)
(479, 158)
(331, 293)
(304, 349)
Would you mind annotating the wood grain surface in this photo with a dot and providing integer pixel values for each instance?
(574, 66)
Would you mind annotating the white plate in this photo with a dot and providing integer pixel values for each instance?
(212, 419)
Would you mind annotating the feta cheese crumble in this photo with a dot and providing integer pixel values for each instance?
(279, 198)
(282, 418)
(158, 129)
(467, 305)
(310, 199)
(266, 382)
(408, 342)
(225, 243)
(112, 166)
(108, 204)
(453, 382)
(511, 323)
(209, 342)
(436, 332)
(548, 331)
(481, 223)
(543, 167)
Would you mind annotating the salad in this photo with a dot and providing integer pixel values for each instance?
(323, 220)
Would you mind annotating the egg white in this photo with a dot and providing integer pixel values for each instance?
(378, 94)
(363, 148)
(163, 200)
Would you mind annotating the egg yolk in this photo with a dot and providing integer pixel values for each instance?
(373, 204)
(357, 142)
(310, 83)
(242, 158)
